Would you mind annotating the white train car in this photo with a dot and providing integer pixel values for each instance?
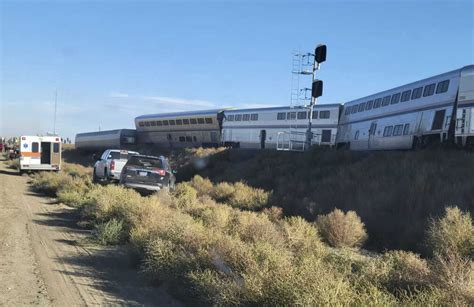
(119, 138)
(267, 127)
(432, 110)
(181, 129)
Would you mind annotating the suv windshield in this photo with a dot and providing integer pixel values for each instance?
(145, 162)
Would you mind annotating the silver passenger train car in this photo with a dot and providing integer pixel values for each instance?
(432, 110)
(119, 138)
(181, 129)
(271, 127)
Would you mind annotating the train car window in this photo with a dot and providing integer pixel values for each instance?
(185, 121)
(302, 115)
(147, 124)
(189, 139)
(369, 105)
(281, 116)
(377, 103)
(172, 122)
(315, 114)
(193, 121)
(442, 87)
(179, 122)
(230, 118)
(406, 96)
(388, 131)
(208, 120)
(34, 147)
(254, 116)
(246, 117)
(200, 120)
(347, 111)
(397, 130)
(165, 123)
(56, 147)
(429, 90)
(159, 123)
(395, 98)
(416, 93)
(141, 124)
(356, 136)
(406, 129)
(386, 101)
(182, 139)
(291, 115)
(194, 139)
(153, 123)
(238, 117)
(362, 107)
(324, 114)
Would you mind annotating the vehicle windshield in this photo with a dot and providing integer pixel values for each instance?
(145, 162)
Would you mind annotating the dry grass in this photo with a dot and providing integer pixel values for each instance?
(218, 254)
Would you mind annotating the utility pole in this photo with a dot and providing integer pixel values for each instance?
(316, 89)
(55, 110)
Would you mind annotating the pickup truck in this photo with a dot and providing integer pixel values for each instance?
(110, 165)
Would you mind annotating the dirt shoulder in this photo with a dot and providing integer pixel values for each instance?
(43, 262)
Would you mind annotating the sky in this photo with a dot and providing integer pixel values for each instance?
(110, 61)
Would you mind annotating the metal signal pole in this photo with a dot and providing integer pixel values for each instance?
(316, 89)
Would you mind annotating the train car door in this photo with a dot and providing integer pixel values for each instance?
(372, 130)
(56, 153)
(263, 138)
(46, 152)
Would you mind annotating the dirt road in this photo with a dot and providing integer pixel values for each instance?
(43, 262)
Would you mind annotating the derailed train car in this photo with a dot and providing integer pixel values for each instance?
(277, 127)
(181, 129)
(433, 110)
(116, 139)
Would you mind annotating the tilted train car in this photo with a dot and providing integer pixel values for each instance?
(110, 139)
(432, 110)
(272, 127)
(181, 129)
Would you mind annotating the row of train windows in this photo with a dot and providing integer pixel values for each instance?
(396, 130)
(186, 139)
(173, 122)
(242, 117)
(416, 93)
(302, 115)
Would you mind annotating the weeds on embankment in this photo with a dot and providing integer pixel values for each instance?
(208, 240)
(395, 193)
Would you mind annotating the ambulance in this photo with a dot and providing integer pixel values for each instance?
(40, 153)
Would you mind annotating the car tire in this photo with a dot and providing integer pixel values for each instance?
(95, 179)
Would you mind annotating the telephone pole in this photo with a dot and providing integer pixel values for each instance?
(55, 110)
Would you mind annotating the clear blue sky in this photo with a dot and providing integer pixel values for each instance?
(112, 61)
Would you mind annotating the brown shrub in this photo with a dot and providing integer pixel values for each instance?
(453, 233)
(341, 229)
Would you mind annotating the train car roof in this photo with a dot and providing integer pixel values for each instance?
(322, 105)
(103, 132)
(381, 93)
(178, 114)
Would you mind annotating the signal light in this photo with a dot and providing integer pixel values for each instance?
(320, 53)
(317, 88)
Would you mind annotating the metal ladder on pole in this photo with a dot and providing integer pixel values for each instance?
(291, 139)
